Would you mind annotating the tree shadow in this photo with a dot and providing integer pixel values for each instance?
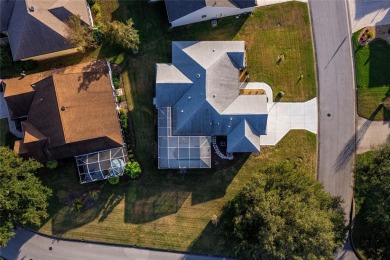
(379, 71)
(353, 142)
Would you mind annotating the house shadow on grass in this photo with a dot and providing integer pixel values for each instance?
(165, 193)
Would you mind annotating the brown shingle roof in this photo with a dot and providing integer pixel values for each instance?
(73, 108)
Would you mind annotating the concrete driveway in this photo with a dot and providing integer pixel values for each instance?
(28, 245)
(284, 116)
(371, 134)
(368, 12)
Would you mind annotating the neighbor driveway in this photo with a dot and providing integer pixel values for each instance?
(368, 12)
(371, 134)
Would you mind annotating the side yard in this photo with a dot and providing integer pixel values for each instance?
(164, 209)
(373, 77)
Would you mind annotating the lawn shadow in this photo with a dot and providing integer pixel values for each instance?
(211, 239)
(353, 142)
(164, 193)
(379, 72)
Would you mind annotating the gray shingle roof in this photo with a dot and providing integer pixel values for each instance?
(177, 9)
(243, 139)
(6, 7)
(44, 30)
(205, 100)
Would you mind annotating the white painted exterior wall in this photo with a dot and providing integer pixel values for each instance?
(210, 13)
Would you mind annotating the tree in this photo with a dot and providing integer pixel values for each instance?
(372, 193)
(133, 170)
(80, 35)
(125, 35)
(282, 214)
(23, 198)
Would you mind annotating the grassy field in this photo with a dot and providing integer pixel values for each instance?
(165, 209)
(373, 78)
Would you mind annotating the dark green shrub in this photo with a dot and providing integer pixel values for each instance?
(96, 8)
(133, 170)
(116, 81)
(91, 2)
(123, 119)
(78, 204)
(121, 98)
(114, 180)
(52, 164)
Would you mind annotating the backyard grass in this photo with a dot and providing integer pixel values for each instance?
(373, 78)
(165, 209)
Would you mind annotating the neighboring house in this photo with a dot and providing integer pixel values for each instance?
(37, 29)
(200, 96)
(69, 112)
(181, 12)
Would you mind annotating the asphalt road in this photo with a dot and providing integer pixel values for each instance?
(336, 97)
(336, 92)
(30, 246)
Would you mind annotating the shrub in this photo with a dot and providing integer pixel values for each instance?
(78, 204)
(114, 180)
(52, 164)
(370, 35)
(116, 81)
(94, 195)
(96, 9)
(91, 2)
(133, 170)
(121, 98)
(123, 119)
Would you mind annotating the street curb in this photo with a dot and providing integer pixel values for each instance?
(123, 245)
(317, 86)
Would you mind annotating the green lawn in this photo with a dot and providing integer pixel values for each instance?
(373, 78)
(165, 209)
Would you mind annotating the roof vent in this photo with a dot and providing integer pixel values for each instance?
(213, 50)
(189, 97)
(198, 75)
(182, 110)
(62, 108)
(31, 8)
(214, 96)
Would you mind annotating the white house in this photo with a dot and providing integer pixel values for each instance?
(186, 12)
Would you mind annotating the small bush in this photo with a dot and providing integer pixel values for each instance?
(113, 181)
(91, 2)
(133, 170)
(116, 81)
(52, 164)
(78, 204)
(94, 195)
(119, 59)
(96, 8)
(370, 35)
(123, 119)
(121, 98)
